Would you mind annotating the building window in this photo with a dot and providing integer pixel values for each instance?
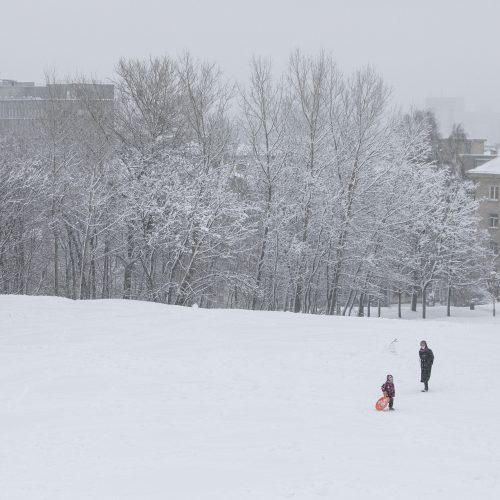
(493, 221)
(494, 247)
(494, 193)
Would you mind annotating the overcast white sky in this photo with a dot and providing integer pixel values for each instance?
(421, 47)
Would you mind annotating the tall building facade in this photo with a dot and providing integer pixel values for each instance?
(22, 104)
(487, 177)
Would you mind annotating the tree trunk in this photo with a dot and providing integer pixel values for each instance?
(361, 307)
(448, 305)
(334, 300)
(414, 298)
(72, 292)
(127, 273)
(86, 238)
(424, 300)
(296, 301)
(262, 253)
(352, 303)
(348, 302)
(92, 268)
(399, 304)
(105, 294)
(56, 264)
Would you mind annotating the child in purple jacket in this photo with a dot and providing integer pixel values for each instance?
(389, 390)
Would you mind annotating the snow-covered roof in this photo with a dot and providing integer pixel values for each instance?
(491, 167)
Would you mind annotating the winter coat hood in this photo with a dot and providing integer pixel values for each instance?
(388, 387)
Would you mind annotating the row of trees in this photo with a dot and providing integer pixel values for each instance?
(302, 192)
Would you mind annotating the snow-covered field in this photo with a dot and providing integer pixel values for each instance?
(128, 400)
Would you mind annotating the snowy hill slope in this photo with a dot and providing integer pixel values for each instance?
(128, 400)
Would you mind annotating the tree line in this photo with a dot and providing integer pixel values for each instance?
(305, 191)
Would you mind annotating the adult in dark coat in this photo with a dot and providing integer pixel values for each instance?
(426, 360)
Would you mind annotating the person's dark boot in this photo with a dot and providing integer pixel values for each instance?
(426, 388)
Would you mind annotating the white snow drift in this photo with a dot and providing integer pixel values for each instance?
(127, 400)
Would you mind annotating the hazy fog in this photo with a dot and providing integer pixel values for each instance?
(423, 48)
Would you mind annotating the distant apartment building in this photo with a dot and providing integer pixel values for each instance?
(487, 177)
(22, 104)
(465, 154)
(472, 153)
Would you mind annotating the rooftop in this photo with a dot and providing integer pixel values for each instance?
(15, 83)
(491, 167)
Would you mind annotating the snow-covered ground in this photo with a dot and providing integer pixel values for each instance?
(128, 400)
